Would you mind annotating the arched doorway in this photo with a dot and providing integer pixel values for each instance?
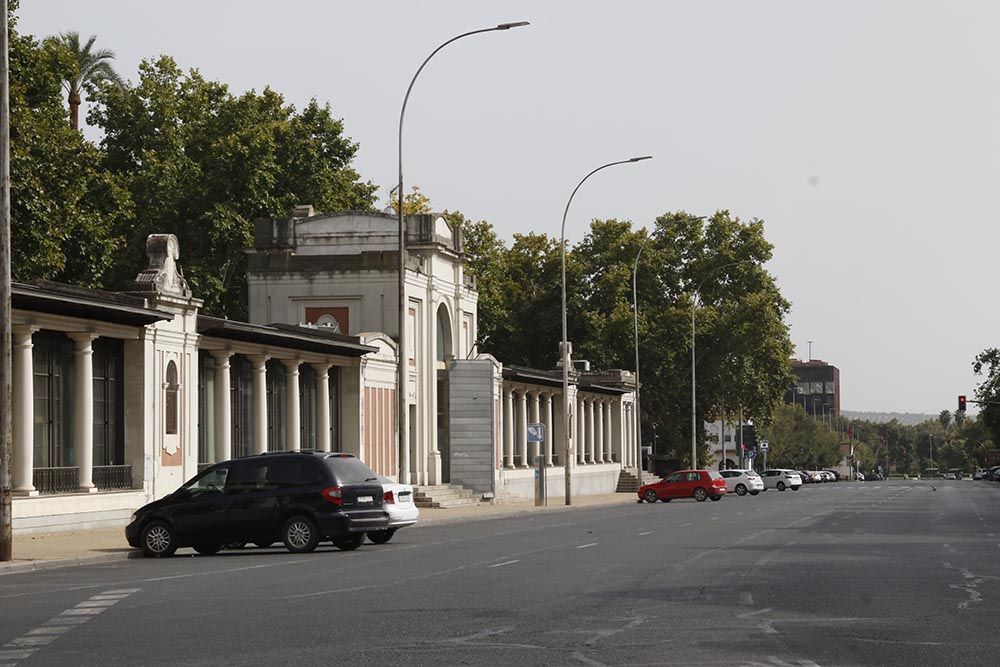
(443, 352)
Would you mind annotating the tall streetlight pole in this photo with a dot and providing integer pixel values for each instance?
(6, 508)
(564, 351)
(635, 325)
(694, 401)
(401, 370)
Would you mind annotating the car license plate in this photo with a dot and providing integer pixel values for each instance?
(365, 499)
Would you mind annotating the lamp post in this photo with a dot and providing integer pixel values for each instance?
(403, 430)
(564, 351)
(694, 400)
(635, 325)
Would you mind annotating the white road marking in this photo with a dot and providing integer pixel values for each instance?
(337, 590)
(685, 525)
(746, 598)
(754, 613)
(714, 518)
(584, 546)
(24, 646)
(649, 532)
(509, 562)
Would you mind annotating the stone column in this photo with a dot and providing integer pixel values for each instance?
(83, 410)
(581, 431)
(259, 417)
(608, 447)
(599, 431)
(24, 414)
(322, 407)
(550, 427)
(508, 427)
(291, 404)
(590, 430)
(627, 429)
(223, 409)
(522, 422)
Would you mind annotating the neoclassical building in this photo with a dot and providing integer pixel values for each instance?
(118, 398)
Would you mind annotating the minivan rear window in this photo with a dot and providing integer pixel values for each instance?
(350, 471)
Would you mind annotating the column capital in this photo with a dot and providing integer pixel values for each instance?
(24, 329)
(83, 339)
(322, 368)
(292, 364)
(259, 361)
(222, 355)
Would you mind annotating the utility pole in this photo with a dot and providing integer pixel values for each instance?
(6, 519)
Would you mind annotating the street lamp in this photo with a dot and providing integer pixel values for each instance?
(404, 448)
(694, 404)
(564, 351)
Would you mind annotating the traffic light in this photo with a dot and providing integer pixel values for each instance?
(961, 403)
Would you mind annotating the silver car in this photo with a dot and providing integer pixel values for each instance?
(742, 482)
(781, 479)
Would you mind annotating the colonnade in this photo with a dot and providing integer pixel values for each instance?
(601, 430)
(223, 409)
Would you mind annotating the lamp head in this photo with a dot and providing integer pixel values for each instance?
(508, 26)
(640, 159)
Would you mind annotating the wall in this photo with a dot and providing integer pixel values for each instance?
(472, 411)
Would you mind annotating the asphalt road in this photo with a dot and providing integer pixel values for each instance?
(881, 573)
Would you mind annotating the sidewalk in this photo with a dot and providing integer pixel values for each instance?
(68, 548)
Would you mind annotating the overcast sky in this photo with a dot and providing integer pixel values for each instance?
(864, 134)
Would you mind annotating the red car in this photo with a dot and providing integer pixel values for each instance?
(697, 484)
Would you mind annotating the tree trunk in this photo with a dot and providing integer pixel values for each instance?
(74, 109)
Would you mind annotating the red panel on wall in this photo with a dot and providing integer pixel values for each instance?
(341, 314)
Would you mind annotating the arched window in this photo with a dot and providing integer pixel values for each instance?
(170, 404)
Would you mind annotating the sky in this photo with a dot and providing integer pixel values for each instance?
(864, 133)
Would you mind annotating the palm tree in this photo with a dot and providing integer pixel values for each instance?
(91, 67)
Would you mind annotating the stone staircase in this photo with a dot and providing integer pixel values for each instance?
(444, 495)
(629, 483)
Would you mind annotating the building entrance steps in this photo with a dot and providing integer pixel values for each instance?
(628, 482)
(444, 495)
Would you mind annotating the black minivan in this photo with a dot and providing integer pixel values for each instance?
(299, 498)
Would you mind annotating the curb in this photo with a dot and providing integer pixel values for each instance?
(38, 565)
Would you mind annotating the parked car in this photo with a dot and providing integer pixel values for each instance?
(810, 476)
(836, 475)
(827, 476)
(781, 479)
(956, 473)
(299, 498)
(978, 474)
(742, 482)
(397, 501)
(949, 475)
(697, 484)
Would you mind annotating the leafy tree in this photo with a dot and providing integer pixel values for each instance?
(87, 68)
(202, 163)
(988, 392)
(944, 419)
(66, 210)
(413, 203)
(798, 441)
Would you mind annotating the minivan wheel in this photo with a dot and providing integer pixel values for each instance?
(381, 536)
(349, 542)
(741, 489)
(781, 486)
(700, 494)
(158, 540)
(650, 496)
(299, 535)
(208, 549)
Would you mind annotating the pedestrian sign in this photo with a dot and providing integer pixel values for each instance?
(536, 432)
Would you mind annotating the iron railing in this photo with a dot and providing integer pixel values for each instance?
(113, 477)
(66, 479)
(56, 480)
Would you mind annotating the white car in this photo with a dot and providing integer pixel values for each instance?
(742, 482)
(781, 479)
(397, 501)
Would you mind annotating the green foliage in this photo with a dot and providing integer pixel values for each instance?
(486, 260)
(414, 203)
(988, 392)
(202, 163)
(85, 68)
(67, 212)
(799, 441)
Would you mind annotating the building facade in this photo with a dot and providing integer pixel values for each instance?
(816, 388)
(118, 398)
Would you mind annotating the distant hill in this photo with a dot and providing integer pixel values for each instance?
(905, 418)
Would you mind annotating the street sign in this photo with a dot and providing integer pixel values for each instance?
(763, 445)
(536, 432)
(751, 454)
